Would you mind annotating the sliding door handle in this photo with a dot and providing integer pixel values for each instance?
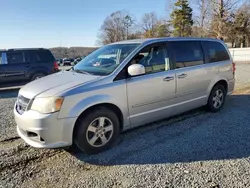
(182, 75)
(168, 78)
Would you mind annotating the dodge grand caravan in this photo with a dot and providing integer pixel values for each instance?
(121, 86)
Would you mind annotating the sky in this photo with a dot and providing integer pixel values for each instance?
(53, 23)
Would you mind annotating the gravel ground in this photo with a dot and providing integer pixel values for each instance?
(196, 149)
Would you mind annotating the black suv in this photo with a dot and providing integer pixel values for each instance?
(26, 64)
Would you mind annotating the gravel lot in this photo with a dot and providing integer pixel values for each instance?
(196, 149)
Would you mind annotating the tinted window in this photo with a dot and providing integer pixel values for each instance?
(15, 57)
(152, 58)
(187, 53)
(28, 56)
(43, 56)
(215, 51)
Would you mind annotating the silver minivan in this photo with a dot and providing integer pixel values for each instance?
(121, 86)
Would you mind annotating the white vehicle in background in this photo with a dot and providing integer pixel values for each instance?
(66, 61)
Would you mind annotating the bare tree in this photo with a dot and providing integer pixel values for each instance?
(72, 52)
(204, 12)
(222, 16)
(116, 27)
(149, 23)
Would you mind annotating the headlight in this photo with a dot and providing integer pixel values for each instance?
(47, 105)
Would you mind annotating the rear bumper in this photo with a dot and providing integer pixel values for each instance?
(44, 130)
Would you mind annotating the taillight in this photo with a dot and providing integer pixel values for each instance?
(55, 68)
(234, 69)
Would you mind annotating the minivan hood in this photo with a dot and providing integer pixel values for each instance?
(55, 83)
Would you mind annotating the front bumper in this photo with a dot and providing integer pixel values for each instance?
(44, 130)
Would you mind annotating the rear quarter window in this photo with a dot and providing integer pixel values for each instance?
(215, 51)
(3, 58)
(43, 56)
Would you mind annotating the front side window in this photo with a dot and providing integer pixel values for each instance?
(105, 60)
(153, 58)
(187, 53)
(215, 51)
(15, 57)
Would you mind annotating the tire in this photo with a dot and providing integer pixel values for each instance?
(93, 136)
(37, 76)
(216, 98)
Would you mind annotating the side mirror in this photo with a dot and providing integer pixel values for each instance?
(136, 69)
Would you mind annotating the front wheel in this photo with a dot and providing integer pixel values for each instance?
(217, 98)
(96, 131)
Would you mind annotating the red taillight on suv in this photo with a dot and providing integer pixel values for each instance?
(234, 68)
(55, 68)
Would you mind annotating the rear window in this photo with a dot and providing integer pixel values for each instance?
(43, 56)
(15, 57)
(215, 51)
(3, 58)
(187, 53)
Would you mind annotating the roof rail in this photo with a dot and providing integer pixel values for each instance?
(16, 49)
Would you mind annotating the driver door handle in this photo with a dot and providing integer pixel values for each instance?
(168, 78)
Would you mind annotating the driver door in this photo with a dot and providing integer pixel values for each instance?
(151, 95)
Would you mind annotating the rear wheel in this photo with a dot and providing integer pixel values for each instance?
(96, 131)
(37, 76)
(216, 99)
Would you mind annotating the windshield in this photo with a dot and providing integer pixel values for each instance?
(105, 60)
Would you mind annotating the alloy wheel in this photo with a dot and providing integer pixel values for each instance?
(218, 98)
(99, 132)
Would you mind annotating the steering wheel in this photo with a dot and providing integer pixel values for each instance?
(104, 62)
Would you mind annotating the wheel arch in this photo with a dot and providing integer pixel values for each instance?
(34, 72)
(222, 82)
(217, 81)
(109, 106)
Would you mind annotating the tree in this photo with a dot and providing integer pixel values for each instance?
(181, 19)
(128, 22)
(154, 27)
(204, 7)
(149, 24)
(116, 27)
(222, 18)
(242, 26)
(163, 30)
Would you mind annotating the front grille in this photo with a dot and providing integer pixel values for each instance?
(21, 104)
